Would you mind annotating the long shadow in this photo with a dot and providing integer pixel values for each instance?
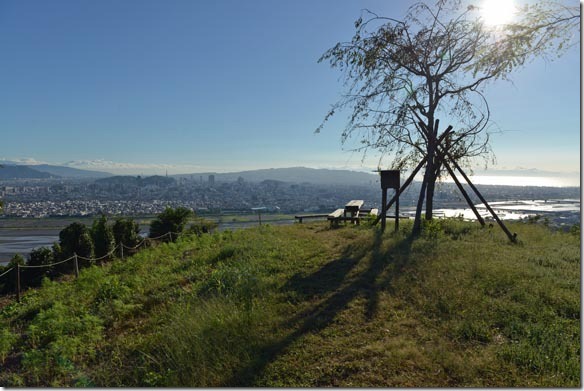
(334, 279)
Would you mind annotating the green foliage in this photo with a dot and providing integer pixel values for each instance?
(75, 239)
(7, 340)
(126, 231)
(61, 340)
(39, 257)
(171, 220)
(201, 226)
(16, 259)
(103, 237)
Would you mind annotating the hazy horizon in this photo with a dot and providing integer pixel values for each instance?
(518, 176)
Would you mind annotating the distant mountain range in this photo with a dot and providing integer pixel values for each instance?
(13, 170)
(18, 172)
(69, 172)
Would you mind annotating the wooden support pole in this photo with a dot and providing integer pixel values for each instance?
(464, 193)
(413, 174)
(121, 250)
(512, 237)
(396, 210)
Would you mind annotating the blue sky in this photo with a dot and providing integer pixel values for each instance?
(139, 86)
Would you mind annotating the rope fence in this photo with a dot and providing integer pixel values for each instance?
(7, 271)
(121, 246)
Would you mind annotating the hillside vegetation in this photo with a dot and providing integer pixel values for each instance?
(304, 305)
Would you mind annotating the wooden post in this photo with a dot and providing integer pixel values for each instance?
(396, 210)
(17, 282)
(512, 237)
(383, 208)
(121, 250)
(403, 187)
(464, 193)
(76, 263)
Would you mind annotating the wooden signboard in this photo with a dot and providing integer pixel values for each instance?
(389, 180)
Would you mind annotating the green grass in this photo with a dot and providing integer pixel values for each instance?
(304, 305)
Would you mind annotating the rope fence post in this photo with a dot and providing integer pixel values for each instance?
(17, 269)
(76, 265)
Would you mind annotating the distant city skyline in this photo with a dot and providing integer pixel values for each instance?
(142, 87)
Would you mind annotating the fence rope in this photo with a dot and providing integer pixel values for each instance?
(7, 271)
(147, 239)
(135, 247)
(178, 234)
(49, 265)
(100, 258)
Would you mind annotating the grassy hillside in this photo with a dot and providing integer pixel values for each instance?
(303, 305)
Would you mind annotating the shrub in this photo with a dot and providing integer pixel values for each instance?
(39, 257)
(103, 237)
(171, 220)
(7, 340)
(61, 338)
(75, 239)
(126, 231)
(202, 226)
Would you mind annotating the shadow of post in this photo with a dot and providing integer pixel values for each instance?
(342, 287)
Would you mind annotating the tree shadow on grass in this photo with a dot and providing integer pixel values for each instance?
(359, 272)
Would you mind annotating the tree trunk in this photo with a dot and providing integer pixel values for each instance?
(418, 220)
(430, 177)
(430, 196)
(427, 176)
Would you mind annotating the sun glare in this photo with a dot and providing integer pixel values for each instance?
(497, 12)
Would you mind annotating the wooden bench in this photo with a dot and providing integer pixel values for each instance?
(335, 216)
(315, 216)
(353, 207)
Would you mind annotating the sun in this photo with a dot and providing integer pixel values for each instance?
(497, 12)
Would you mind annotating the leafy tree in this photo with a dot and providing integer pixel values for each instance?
(7, 282)
(402, 76)
(126, 231)
(103, 237)
(171, 220)
(39, 257)
(75, 239)
(17, 259)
